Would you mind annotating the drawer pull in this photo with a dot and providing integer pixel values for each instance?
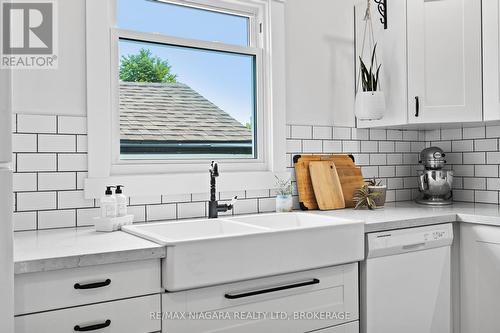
(93, 285)
(95, 327)
(272, 289)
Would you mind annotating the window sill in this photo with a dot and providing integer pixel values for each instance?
(181, 183)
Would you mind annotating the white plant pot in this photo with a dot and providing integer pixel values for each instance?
(284, 203)
(369, 105)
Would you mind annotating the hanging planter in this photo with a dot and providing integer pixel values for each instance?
(370, 99)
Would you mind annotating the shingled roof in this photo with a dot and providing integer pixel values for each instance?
(174, 112)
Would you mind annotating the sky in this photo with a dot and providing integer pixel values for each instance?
(224, 79)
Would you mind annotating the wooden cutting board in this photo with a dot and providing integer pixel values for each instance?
(307, 199)
(326, 185)
(351, 180)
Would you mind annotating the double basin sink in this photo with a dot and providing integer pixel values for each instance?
(202, 253)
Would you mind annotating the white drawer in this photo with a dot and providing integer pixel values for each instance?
(126, 316)
(51, 290)
(327, 290)
(346, 328)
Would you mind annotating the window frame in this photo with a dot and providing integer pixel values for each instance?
(105, 165)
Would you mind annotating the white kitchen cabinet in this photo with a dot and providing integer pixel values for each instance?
(332, 290)
(431, 53)
(131, 315)
(491, 59)
(480, 278)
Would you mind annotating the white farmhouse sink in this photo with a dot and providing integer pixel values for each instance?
(208, 252)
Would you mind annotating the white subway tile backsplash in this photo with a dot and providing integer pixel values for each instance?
(191, 210)
(24, 182)
(80, 180)
(139, 213)
(410, 135)
(486, 145)
(369, 146)
(387, 171)
(322, 132)
(56, 143)
(312, 146)
(331, 146)
(464, 170)
(493, 184)
(360, 134)
(81, 144)
(302, 132)
(351, 147)
(56, 219)
(463, 195)
(394, 159)
(474, 183)
(394, 135)
(403, 147)
(72, 125)
(293, 146)
(474, 158)
(36, 123)
(433, 135)
(147, 199)
(378, 159)
(486, 197)
(161, 212)
(72, 162)
(248, 206)
(176, 198)
(56, 181)
(267, 205)
(24, 143)
(36, 162)
(378, 134)
(454, 158)
(257, 194)
(27, 201)
(474, 132)
(85, 217)
(386, 146)
(73, 199)
(493, 131)
(493, 157)
(486, 171)
(444, 145)
(451, 134)
(342, 133)
(24, 221)
(462, 145)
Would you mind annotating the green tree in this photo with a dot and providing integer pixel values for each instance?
(144, 67)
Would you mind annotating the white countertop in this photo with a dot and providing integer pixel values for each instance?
(36, 251)
(410, 214)
(44, 250)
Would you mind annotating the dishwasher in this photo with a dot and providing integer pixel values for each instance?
(405, 281)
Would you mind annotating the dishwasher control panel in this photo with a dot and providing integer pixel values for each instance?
(409, 239)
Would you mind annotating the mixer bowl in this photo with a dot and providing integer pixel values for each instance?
(435, 183)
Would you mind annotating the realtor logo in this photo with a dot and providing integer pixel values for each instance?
(28, 34)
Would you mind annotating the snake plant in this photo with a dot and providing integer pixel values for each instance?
(369, 78)
(364, 198)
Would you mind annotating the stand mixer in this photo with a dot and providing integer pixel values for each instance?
(434, 183)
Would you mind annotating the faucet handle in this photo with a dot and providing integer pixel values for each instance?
(233, 201)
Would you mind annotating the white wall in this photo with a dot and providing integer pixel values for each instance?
(320, 55)
(320, 62)
(60, 91)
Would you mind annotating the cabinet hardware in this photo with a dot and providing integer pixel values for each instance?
(417, 106)
(93, 285)
(271, 289)
(79, 328)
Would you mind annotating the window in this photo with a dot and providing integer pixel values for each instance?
(187, 82)
(173, 84)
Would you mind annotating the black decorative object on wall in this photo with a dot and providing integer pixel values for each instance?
(382, 9)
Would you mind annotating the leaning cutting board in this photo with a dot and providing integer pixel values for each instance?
(326, 185)
(348, 172)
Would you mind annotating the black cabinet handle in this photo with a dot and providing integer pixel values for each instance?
(271, 289)
(93, 285)
(417, 106)
(95, 327)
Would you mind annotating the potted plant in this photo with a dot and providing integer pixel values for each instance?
(375, 186)
(370, 102)
(364, 198)
(284, 201)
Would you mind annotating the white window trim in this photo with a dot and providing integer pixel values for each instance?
(174, 177)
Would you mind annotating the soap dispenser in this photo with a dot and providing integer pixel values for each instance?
(108, 204)
(121, 201)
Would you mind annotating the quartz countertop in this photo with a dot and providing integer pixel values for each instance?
(410, 214)
(45, 250)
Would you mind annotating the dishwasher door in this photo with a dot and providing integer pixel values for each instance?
(406, 282)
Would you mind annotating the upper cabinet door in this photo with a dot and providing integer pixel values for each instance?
(491, 59)
(444, 61)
